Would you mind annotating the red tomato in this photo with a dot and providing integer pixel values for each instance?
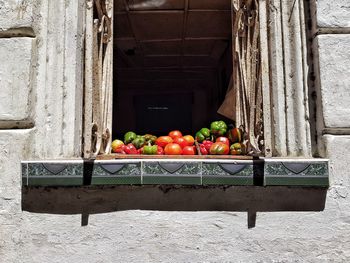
(175, 134)
(181, 141)
(140, 151)
(223, 140)
(117, 146)
(219, 148)
(189, 139)
(173, 149)
(130, 149)
(189, 150)
(160, 150)
(162, 141)
(203, 150)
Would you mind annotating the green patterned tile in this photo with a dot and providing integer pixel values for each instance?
(120, 169)
(179, 173)
(312, 169)
(175, 168)
(239, 169)
(116, 173)
(55, 181)
(172, 179)
(320, 181)
(24, 174)
(297, 174)
(227, 180)
(227, 174)
(55, 174)
(67, 169)
(116, 180)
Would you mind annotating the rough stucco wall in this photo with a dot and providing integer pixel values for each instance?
(141, 236)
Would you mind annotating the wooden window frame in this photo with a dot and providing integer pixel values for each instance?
(284, 77)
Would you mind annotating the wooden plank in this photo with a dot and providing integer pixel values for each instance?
(265, 77)
(87, 134)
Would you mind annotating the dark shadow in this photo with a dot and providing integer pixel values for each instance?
(258, 171)
(93, 200)
(88, 167)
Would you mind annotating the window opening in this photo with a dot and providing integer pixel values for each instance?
(178, 65)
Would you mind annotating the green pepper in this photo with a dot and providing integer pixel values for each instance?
(139, 141)
(150, 149)
(203, 134)
(129, 137)
(150, 138)
(218, 128)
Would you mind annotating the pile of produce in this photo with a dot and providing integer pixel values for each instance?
(216, 140)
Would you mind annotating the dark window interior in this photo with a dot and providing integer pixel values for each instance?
(172, 64)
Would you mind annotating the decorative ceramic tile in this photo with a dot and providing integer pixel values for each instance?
(180, 173)
(55, 174)
(296, 173)
(24, 174)
(116, 173)
(175, 179)
(116, 180)
(177, 168)
(68, 169)
(110, 169)
(227, 174)
(302, 173)
(55, 181)
(311, 169)
(228, 169)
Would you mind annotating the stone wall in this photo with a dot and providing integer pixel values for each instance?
(40, 118)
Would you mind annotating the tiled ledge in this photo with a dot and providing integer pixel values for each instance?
(263, 172)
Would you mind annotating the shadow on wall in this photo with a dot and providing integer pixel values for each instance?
(94, 199)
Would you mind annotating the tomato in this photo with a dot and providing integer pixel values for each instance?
(181, 141)
(140, 151)
(223, 140)
(219, 148)
(160, 150)
(189, 150)
(203, 150)
(173, 149)
(117, 145)
(207, 144)
(175, 134)
(130, 149)
(162, 141)
(189, 139)
(237, 148)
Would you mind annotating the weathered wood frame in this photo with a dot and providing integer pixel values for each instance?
(98, 88)
(285, 88)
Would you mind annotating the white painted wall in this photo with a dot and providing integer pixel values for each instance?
(51, 98)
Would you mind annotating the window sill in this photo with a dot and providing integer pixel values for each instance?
(198, 172)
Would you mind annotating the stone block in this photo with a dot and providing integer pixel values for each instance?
(16, 13)
(337, 150)
(333, 13)
(15, 78)
(335, 79)
(13, 149)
